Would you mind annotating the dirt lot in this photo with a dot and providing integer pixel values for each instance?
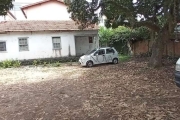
(127, 91)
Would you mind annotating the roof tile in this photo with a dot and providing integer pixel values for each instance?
(34, 25)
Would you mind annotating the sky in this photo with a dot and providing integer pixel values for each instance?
(29, 1)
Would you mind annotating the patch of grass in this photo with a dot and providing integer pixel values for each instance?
(124, 58)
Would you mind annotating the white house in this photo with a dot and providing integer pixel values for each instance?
(24, 40)
(46, 10)
(47, 32)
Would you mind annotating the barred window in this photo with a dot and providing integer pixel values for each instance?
(23, 44)
(2, 46)
(56, 42)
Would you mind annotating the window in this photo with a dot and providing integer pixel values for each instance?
(23, 44)
(90, 40)
(56, 42)
(2, 46)
(110, 51)
(100, 52)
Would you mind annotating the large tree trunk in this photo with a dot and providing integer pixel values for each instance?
(158, 48)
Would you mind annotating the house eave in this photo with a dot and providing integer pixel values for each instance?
(75, 30)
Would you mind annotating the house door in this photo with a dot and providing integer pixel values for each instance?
(82, 45)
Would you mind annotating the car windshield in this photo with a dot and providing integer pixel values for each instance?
(91, 52)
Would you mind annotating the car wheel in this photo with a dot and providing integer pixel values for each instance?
(115, 61)
(89, 64)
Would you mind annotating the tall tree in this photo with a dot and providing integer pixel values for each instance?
(161, 16)
(5, 5)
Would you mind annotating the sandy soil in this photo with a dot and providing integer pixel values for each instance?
(127, 91)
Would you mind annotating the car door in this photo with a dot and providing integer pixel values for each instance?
(99, 57)
(109, 55)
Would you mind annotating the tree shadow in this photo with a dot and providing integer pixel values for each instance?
(104, 92)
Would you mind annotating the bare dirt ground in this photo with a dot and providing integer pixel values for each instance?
(127, 91)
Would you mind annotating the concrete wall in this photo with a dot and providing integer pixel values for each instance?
(40, 44)
(48, 11)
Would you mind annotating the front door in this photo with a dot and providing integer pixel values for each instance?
(99, 57)
(82, 45)
(109, 55)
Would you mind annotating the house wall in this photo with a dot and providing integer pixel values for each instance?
(52, 10)
(40, 44)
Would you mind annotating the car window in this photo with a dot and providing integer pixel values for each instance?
(91, 52)
(110, 51)
(100, 52)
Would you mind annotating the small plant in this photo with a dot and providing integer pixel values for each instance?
(44, 63)
(16, 63)
(70, 63)
(124, 58)
(1, 65)
(56, 64)
(7, 64)
(35, 62)
(39, 62)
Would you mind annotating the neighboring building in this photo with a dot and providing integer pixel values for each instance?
(46, 32)
(46, 10)
(8, 17)
(23, 40)
(17, 4)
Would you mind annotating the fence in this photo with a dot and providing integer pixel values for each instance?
(171, 49)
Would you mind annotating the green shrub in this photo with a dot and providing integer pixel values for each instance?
(35, 62)
(16, 63)
(44, 63)
(10, 63)
(120, 36)
(1, 65)
(124, 58)
(7, 64)
(56, 64)
(39, 62)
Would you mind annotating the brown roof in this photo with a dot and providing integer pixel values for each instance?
(17, 26)
(38, 3)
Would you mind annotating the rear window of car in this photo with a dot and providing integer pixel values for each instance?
(110, 51)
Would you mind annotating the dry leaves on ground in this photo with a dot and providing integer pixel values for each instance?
(127, 91)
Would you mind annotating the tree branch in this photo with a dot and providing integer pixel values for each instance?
(149, 25)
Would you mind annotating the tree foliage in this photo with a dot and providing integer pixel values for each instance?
(152, 13)
(120, 36)
(161, 16)
(5, 5)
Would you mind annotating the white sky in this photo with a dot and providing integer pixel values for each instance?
(31, 1)
(28, 1)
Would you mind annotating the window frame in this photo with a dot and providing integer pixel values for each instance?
(98, 51)
(3, 41)
(24, 45)
(59, 43)
(110, 49)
